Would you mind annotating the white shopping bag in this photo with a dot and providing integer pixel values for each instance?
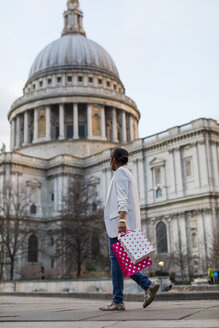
(136, 245)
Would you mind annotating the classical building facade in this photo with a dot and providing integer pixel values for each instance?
(72, 112)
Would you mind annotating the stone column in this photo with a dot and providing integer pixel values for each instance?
(103, 123)
(179, 171)
(137, 134)
(26, 125)
(61, 122)
(48, 123)
(124, 133)
(131, 127)
(75, 120)
(13, 131)
(115, 134)
(18, 131)
(35, 126)
(89, 122)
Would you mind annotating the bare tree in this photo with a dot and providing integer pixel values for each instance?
(80, 225)
(215, 251)
(13, 230)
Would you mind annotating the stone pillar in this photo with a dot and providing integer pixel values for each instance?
(75, 120)
(137, 134)
(26, 125)
(124, 133)
(18, 131)
(35, 126)
(61, 122)
(89, 122)
(115, 134)
(131, 128)
(179, 171)
(13, 131)
(48, 123)
(103, 123)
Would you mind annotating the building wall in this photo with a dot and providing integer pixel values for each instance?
(185, 198)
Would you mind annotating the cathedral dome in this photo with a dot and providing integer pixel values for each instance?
(74, 101)
(73, 51)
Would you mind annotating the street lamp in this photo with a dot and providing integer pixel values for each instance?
(161, 264)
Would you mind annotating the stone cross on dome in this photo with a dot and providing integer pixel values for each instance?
(73, 18)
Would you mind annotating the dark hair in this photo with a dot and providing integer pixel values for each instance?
(121, 155)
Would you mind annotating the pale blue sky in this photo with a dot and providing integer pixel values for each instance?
(166, 52)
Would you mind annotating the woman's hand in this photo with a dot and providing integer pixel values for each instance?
(122, 222)
(122, 226)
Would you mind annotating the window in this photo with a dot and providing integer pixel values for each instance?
(108, 83)
(42, 123)
(114, 86)
(159, 193)
(161, 234)
(59, 79)
(96, 124)
(33, 209)
(157, 176)
(34, 86)
(69, 78)
(188, 167)
(194, 240)
(41, 83)
(90, 79)
(69, 131)
(52, 197)
(49, 81)
(52, 263)
(78, 19)
(52, 241)
(81, 131)
(57, 132)
(100, 81)
(80, 78)
(33, 249)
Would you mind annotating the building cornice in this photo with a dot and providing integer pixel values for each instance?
(185, 199)
(70, 96)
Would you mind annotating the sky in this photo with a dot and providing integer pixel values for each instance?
(166, 52)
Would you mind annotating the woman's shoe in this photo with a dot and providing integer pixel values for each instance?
(150, 294)
(113, 307)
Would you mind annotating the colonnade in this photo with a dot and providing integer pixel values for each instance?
(20, 126)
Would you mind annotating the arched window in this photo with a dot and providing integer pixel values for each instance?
(33, 209)
(194, 240)
(33, 249)
(161, 234)
(159, 193)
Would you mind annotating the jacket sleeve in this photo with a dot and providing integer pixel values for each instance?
(121, 184)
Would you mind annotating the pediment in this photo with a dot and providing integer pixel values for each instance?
(156, 162)
(34, 183)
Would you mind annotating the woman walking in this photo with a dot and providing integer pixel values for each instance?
(122, 212)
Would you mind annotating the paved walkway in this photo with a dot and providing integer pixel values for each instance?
(38, 312)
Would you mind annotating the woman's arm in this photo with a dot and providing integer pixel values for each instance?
(122, 198)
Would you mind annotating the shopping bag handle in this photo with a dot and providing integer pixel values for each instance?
(120, 234)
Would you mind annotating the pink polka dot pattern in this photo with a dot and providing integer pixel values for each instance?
(125, 262)
(136, 245)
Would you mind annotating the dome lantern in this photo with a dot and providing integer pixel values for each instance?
(73, 19)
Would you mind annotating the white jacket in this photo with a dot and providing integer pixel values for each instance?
(122, 196)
